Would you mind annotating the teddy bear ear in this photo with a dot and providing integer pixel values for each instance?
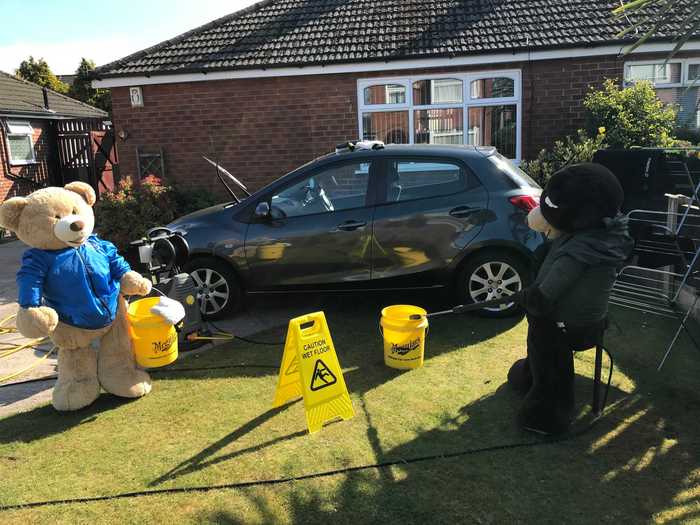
(84, 190)
(10, 210)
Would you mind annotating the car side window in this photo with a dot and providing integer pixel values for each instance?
(339, 187)
(418, 179)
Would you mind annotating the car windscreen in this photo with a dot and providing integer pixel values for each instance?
(518, 176)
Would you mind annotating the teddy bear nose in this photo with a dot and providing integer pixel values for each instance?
(77, 226)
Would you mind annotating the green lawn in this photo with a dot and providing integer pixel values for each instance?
(641, 463)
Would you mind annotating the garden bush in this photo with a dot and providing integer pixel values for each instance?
(131, 210)
(570, 150)
(631, 116)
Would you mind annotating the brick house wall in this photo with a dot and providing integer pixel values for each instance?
(38, 171)
(262, 128)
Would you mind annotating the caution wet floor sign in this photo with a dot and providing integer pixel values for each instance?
(310, 369)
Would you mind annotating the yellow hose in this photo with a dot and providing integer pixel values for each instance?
(25, 369)
(14, 348)
(18, 348)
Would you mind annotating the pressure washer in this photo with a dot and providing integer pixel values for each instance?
(159, 255)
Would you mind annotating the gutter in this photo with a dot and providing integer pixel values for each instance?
(44, 116)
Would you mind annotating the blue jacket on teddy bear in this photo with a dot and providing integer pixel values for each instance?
(81, 284)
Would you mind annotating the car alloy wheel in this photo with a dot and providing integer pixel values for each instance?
(494, 280)
(213, 292)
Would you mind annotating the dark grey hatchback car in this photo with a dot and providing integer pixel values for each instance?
(397, 217)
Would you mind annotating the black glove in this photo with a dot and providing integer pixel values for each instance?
(533, 301)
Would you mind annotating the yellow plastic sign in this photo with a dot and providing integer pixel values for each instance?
(310, 369)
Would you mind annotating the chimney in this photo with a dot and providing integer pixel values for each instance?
(46, 98)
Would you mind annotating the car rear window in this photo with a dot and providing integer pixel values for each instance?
(421, 179)
(518, 176)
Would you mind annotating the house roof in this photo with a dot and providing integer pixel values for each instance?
(26, 98)
(284, 33)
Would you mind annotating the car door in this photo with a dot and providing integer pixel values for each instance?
(430, 210)
(318, 234)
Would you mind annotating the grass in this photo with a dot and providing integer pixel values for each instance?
(639, 464)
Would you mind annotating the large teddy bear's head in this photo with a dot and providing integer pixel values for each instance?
(51, 218)
(577, 197)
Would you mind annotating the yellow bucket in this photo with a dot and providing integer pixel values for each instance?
(404, 338)
(155, 341)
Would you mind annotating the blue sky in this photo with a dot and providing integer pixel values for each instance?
(63, 31)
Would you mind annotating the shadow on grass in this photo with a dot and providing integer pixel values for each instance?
(45, 421)
(640, 462)
(354, 345)
(200, 461)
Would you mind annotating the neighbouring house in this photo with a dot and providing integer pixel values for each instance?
(45, 138)
(283, 81)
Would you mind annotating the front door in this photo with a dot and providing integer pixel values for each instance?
(432, 210)
(318, 234)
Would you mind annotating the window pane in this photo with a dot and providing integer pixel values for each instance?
(19, 128)
(391, 127)
(385, 94)
(419, 180)
(438, 91)
(494, 126)
(20, 148)
(439, 126)
(694, 72)
(337, 188)
(657, 73)
(499, 87)
(686, 102)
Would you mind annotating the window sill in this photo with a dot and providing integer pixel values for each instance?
(14, 163)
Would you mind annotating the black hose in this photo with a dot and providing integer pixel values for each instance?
(315, 475)
(245, 339)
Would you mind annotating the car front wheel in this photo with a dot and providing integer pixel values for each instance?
(218, 291)
(493, 275)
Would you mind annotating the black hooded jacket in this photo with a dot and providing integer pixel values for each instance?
(575, 279)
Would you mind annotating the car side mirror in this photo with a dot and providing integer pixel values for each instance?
(262, 210)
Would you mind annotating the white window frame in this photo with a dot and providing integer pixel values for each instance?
(685, 80)
(384, 107)
(467, 101)
(8, 134)
(683, 76)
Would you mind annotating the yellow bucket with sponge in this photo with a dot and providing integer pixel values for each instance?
(404, 338)
(155, 340)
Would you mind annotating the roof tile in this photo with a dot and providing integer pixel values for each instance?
(312, 32)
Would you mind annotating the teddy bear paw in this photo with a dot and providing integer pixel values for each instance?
(126, 382)
(37, 321)
(134, 284)
(75, 394)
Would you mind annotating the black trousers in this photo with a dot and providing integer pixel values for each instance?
(549, 403)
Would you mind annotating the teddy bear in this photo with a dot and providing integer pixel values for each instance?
(71, 286)
(587, 241)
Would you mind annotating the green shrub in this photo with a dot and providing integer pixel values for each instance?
(189, 200)
(571, 150)
(127, 213)
(631, 116)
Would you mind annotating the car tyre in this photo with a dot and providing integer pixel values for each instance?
(491, 275)
(218, 288)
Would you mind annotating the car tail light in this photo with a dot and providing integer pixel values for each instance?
(525, 203)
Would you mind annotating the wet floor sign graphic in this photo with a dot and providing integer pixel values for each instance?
(310, 369)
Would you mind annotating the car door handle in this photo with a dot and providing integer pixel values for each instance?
(349, 226)
(462, 211)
